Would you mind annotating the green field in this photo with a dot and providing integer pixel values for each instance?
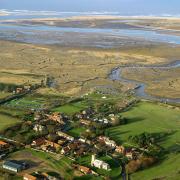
(27, 102)
(62, 166)
(76, 132)
(35, 101)
(6, 121)
(113, 174)
(12, 112)
(46, 162)
(87, 101)
(71, 108)
(169, 168)
(4, 94)
(153, 118)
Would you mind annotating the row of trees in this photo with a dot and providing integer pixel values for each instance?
(7, 87)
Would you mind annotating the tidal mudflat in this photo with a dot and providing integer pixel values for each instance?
(66, 47)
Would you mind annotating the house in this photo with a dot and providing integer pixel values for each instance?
(27, 87)
(66, 136)
(62, 141)
(48, 176)
(99, 163)
(38, 128)
(38, 142)
(84, 169)
(129, 153)
(52, 144)
(19, 90)
(3, 145)
(14, 166)
(107, 141)
(56, 116)
(82, 140)
(65, 150)
(46, 145)
(105, 121)
(29, 177)
(37, 116)
(120, 149)
(85, 122)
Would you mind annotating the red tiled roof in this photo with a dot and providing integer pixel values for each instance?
(84, 169)
(29, 177)
(3, 143)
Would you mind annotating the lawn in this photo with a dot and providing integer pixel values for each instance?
(46, 162)
(4, 94)
(114, 173)
(35, 101)
(27, 102)
(169, 168)
(76, 132)
(6, 121)
(12, 112)
(63, 166)
(153, 118)
(72, 108)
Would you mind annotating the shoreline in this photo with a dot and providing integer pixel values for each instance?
(90, 17)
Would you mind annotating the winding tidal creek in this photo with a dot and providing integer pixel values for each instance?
(139, 91)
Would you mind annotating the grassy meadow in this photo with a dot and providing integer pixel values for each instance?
(113, 174)
(71, 108)
(153, 118)
(4, 94)
(6, 121)
(45, 162)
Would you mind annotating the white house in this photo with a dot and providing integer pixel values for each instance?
(99, 164)
(66, 136)
(38, 128)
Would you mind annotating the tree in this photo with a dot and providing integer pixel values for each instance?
(52, 137)
(133, 166)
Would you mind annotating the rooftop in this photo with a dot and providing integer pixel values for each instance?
(3, 143)
(13, 164)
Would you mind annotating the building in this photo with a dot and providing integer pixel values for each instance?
(66, 136)
(120, 149)
(85, 122)
(3, 145)
(57, 117)
(130, 153)
(38, 142)
(99, 164)
(85, 170)
(37, 116)
(52, 144)
(62, 141)
(50, 177)
(14, 166)
(107, 141)
(38, 128)
(27, 87)
(65, 150)
(29, 177)
(19, 90)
